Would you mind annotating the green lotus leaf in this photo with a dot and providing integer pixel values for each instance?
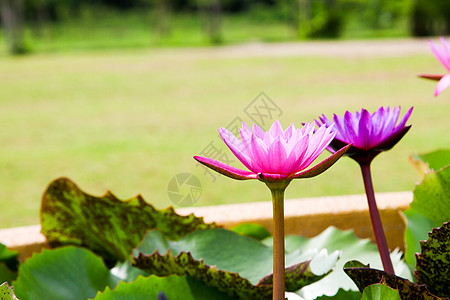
(108, 226)
(417, 230)
(432, 196)
(350, 247)
(256, 231)
(237, 265)
(430, 209)
(380, 292)
(145, 288)
(364, 276)
(342, 295)
(431, 161)
(66, 273)
(7, 292)
(433, 263)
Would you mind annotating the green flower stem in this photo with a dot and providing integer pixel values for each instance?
(375, 218)
(278, 243)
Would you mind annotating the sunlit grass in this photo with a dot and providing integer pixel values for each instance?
(129, 121)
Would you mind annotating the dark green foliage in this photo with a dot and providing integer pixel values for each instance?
(430, 17)
(9, 257)
(6, 275)
(324, 19)
(8, 264)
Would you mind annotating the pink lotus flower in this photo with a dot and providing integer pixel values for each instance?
(276, 155)
(442, 53)
(370, 134)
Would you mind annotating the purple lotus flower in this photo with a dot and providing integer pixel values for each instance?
(442, 53)
(276, 155)
(370, 134)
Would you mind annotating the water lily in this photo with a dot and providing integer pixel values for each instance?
(442, 53)
(370, 134)
(276, 157)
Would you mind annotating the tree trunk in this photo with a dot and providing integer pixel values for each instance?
(12, 22)
(162, 8)
(40, 18)
(214, 21)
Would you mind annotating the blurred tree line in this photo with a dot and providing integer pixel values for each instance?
(307, 18)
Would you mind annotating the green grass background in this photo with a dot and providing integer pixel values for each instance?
(102, 29)
(128, 121)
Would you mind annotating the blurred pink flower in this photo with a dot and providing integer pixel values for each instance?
(276, 155)
(442, 53)
(370, 134)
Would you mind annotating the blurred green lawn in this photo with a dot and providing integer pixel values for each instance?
(128, 121)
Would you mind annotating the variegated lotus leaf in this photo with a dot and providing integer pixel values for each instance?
(108, 226)
(364, 276)
(229, 282)
(7, 292)
(184, 264)
(433, 263)
(220, 258)
(296, 277)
